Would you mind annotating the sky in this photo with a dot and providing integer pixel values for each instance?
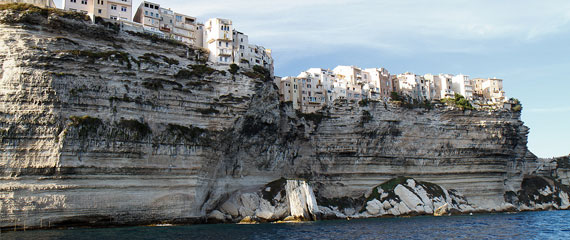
(524, 42)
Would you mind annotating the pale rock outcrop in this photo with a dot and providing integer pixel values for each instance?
(374, 207)
(408, 198)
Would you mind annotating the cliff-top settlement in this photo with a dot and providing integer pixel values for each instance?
(316, 87)
(217, 36)
(101, 126)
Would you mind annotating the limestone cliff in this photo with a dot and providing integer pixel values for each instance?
(101, 126)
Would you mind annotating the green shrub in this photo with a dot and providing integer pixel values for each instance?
(149, 58)
(44, 12)
(234, 68)
(198, 70)
(459, 101)
(395, 96)
(366, 117)
(121, 57)
(517, 106)
(259, 72)
(315, 117)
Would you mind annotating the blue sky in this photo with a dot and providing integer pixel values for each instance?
(526, 43)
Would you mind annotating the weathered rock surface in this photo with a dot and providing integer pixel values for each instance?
(105, 127)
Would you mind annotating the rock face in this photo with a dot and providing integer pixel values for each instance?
(278, 200)
(406, 196)
(106, 127)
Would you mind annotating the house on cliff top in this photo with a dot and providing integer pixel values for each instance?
(37, 3)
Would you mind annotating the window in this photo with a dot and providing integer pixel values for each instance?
(114, 7)
(157, 15)
(151, 14)
(123, 9)
(227, 44)
(114, 17)
(156, 7)
(84, 2)
(220, 44)
(73, 1)
(146, 5)
(146, 13)
(99, 11)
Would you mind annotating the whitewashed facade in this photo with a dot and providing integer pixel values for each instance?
(108, 9)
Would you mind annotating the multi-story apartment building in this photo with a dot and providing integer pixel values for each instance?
(379, 84)
(326, 79)
(462, 85)
(37, 3)
(406, 85)
(312, 96)
(442, 84)
(225, 45)
(289, 90)
(149, 15)
(245, 53)
(109, 9)
(354, 78)
(169, 24)
(490, 89)
(218, 39)
(179, 27)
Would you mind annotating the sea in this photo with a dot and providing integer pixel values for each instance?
(525, 225)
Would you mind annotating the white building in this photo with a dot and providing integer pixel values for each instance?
(148, 14)
(218, 39)
(108, 9)
(406, 85)
(169, 24)
(354, 78)
(489, 90)
(442, 84)
(379, 83)
(289, 91)
(462, 85)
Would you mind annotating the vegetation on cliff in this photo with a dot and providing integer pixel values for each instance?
(29, 12)
(458, 101)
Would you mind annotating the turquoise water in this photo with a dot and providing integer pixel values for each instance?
(527, 225)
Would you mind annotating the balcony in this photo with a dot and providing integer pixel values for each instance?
(225, 52)
(165, 29)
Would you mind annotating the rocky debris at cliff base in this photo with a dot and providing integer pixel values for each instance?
(280, 200)
(540, 193)
(397, 197)
(406, 196)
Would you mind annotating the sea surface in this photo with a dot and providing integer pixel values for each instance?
(526, 225)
